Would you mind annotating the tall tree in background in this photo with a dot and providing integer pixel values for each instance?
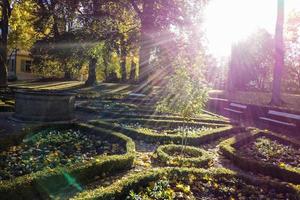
(292, 54)
(155, 16)
(251, 62)
(5, 13)
(279, 55)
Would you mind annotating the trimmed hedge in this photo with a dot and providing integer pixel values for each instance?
(48, 183)
(120, 189)
(7, 108)
(200, 157)
(230, 149)
(207, 136)
(150, 114)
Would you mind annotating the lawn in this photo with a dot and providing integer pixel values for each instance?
(257, 98)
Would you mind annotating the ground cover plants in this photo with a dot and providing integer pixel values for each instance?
(168, 131)
(51, 148)
(272, 151)
(191, 184)
(266, 153)
(55, 161)
(165, 130)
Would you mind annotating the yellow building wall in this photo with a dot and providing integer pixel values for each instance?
(22, 75)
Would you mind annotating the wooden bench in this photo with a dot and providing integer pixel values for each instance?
(236, 108)
(281, 118)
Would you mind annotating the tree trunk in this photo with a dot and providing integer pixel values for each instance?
(123, 62)
(145, 51)
(67, 75)
(92, 72)
(6, 12)
(146, 42)
(279, 56)
(132, 71)
(105, 68)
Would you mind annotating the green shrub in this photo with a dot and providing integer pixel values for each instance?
(206, 136)
(198, 157)
(48, 183)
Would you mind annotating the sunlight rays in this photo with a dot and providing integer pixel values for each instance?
(227, 22)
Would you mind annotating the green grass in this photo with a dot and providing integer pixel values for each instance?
(60, 85)
(257, 98)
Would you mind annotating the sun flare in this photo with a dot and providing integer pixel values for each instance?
(227, 22)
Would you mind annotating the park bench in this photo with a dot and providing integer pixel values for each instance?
(236, 109)
(281, 118)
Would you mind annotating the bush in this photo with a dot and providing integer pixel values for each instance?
(184, 94)
(48, 183)
(199, 158)
(209, 135)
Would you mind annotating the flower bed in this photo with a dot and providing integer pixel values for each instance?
(116, 109)
(272, 151)
(266, 153)
(113, 108)
(182, 183)
(178, 155)
(169, 131)
(49, 159)
(51, 148)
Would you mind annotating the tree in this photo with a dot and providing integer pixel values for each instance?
(251, 62)
(292, 55)
(155, 16)
(21, 26)
(279, 56)
(6, 9)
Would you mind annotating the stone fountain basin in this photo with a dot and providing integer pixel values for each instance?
(44, 105)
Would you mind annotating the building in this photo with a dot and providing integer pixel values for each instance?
(19, 65)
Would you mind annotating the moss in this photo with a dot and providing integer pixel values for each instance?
(50, 181)
(120, 189)
(206, 136)
(200, 157)
(230, 149)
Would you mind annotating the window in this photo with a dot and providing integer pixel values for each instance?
(26, 65)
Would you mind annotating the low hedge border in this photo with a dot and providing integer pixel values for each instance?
(120, 189)
(47, 183)
(144, 114)
(210, 135)
(7, 108)
(113, 112)
(230, 149)
(163, 155)
(148, 114)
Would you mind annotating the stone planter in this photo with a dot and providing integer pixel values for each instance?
(44, 106)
